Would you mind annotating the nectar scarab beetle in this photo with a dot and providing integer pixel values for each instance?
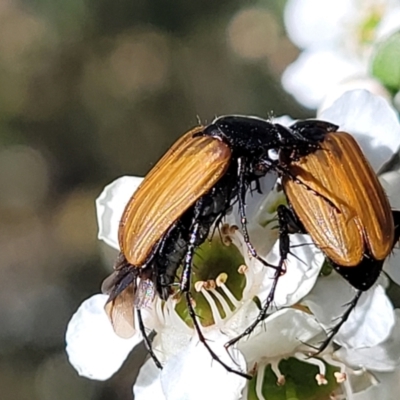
(189, 189)
(362, 231)
(356, 229)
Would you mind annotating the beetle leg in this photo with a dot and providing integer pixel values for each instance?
(343, 319)
(289, 220)
(289, 224)
(242, 211)
(203, 340)
(284, 249)
(194, 232)
(396, 219)
(283, 170)
(264, 311)
(142, 329)
(146, 339)
(185, 287)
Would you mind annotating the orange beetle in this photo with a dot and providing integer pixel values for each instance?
(335, 196)
(192, 187)
(359, 232)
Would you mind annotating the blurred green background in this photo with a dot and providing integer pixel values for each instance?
(89, 91)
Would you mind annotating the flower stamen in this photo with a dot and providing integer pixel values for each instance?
(320, 377)
(281, 380)
(321, 380)
(225, 234)
(259, 382)
(340, 377)
(214, 309)
(243, 269)
(220, 281)
(223, 303)
(209, 285)
(199, 285)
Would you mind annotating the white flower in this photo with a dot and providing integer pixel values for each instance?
(371, 120)
(371, 326)
(228, 308)
(177, 345)
(370, 323)
(391, 182)
(336, 37)
(374, 124)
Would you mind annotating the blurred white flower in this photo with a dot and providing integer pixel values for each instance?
(336, 38)
(189, 373)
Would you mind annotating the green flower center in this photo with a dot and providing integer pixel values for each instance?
(299, 381)
(217, 281)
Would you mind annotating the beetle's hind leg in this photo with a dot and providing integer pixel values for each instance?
(146, 340)
(185, 287)
(282, 169)
(335, 329)
(284, 250)
(243, 218)
(203, 340)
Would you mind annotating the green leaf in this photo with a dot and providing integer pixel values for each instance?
(385, 62)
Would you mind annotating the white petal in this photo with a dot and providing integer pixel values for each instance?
(93, 348)
(148, 383)
(391, 183)
(371, 120)
(261, 236)
(172, 337)
(389, 24)
(261, 217)
(366, 83)
(368, 325)
(387, 388)
(241, 319)
(111, 204)
(392, 265)
(301, 271)
(192, 375)
(383, 357)
(255, 200)
(314, 23)
(316, 73)
(358, 381)
(280, 335)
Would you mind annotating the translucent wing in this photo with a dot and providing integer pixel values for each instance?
(121, 313)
